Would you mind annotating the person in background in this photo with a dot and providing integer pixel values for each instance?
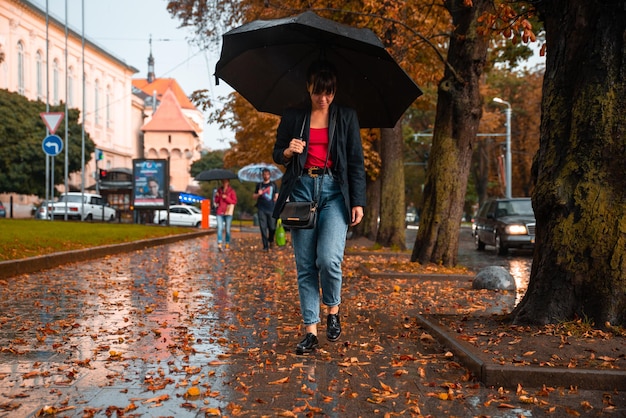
(225, 201)
(265, 195)
(319, 251)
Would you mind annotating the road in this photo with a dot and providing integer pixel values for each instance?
(518, 263)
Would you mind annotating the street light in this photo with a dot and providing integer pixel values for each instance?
(507, 158)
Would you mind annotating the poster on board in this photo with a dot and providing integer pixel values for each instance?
(150, 183)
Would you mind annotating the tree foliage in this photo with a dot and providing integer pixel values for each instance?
(22, 159)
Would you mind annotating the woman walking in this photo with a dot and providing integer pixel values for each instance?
(321, 149)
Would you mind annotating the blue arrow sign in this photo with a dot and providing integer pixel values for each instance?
(52, 145)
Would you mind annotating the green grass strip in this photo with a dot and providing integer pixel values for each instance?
(23, 238)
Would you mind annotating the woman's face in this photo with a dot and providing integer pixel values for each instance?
(320, 101)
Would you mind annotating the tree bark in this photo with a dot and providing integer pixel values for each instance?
(579, 264)
(459, 109)
(391, 230)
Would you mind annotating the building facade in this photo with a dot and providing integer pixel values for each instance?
(113, 110)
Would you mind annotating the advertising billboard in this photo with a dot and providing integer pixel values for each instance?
(150, 183)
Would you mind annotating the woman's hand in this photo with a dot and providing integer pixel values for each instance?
(357, 215)
(296, 146)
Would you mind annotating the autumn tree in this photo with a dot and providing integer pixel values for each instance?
(395, 23)
(459, 105)
(579, 264)
(522, 89)
(22, 160)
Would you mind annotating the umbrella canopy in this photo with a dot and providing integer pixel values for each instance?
(266, 62)
(216, 174)
(254, 172)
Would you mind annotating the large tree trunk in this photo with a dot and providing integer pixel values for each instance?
(579, 264)
(391, 230)
(459, 109)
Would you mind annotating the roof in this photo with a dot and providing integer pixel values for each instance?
(161, 85)
(169, 117)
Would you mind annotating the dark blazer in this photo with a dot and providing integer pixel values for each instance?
(346, 154)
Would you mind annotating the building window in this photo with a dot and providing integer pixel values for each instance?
(70, 87)
(108, 107)
(96, 101)
(39, 75)
(85, 96)
(55, 82)
(20, 68)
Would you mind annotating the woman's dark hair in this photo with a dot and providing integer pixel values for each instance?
(322, 77)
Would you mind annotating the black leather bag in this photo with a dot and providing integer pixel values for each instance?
(299, 215)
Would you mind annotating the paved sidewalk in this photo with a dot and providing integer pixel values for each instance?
(182, 330)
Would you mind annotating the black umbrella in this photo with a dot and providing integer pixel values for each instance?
(216, 174)
(266, 62)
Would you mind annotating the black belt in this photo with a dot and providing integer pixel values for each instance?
(316, 171)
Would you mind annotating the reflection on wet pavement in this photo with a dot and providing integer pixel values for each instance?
(132, 334)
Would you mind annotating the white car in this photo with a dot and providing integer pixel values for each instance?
(183, 215)
(83, 206)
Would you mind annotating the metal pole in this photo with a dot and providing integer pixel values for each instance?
(48, 190)
(67, 142)
(507, 157)
(508, 111)
(82, 134)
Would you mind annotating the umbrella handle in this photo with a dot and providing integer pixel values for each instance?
(302, 129)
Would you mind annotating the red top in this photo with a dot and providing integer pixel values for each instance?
(223, 202)
(318, 148)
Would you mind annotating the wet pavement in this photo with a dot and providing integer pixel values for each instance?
(182, 330)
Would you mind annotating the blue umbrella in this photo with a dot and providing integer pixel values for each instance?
(254, 172)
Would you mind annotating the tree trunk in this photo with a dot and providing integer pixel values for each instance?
(579, 264)
(459, 109)
(372, 212)
(391, 230)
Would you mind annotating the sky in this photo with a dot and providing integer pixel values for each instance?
(124, 27)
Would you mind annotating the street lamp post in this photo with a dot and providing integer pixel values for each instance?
(507, 158)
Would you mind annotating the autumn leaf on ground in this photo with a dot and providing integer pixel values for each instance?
(279, 381)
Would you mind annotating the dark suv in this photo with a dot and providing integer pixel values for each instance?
(504, 224)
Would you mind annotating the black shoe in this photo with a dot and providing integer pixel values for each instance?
(333, 327)
(308, 345)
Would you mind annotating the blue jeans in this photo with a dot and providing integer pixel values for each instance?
(319, 251)
(223, 221)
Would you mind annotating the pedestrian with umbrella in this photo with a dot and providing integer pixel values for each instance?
(325, 80)
(265, 194)
(224, 201)
(321, 148)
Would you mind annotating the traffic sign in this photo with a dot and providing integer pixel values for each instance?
(52, 120)
(52, 145)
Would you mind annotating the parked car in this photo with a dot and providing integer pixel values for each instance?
(505, 224)
(92, 207)
(3, 211)
(43, 210)
(411, 218)
(183, 215)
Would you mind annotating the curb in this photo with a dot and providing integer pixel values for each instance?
(44, 262)
(492, 375)
(421, 276)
